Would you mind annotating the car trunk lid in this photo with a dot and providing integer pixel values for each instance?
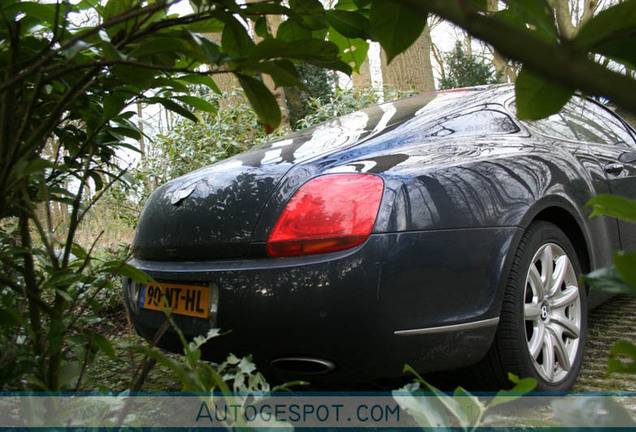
(208, 214)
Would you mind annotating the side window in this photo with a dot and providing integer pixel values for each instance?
(605, 126)
(579, 119)
(477, 123)
(554, 126)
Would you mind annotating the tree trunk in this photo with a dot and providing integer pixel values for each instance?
(273, 22)
(563, 17)
(362, 80)
(412, 69)
(439, 59)
(502, 65)
(226, 81)
(567, 15)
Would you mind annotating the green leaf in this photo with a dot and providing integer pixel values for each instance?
(79, 251)
(428, 412)
(452, 405)
(35, 165)
(538, 13)
(350, 5)
(614, 206)
(210, 25)
(198, 103)
(396, 26)
(318, 52)
(188, 381)
(612, 32)
(104, 344)
(291, 30)
(97, 179)
(625, 264)
(8, 318)
(174, 107)
(353, 51)
(521, 388)
(481, 5)
(537, 97)
(261, 29)
(283, 72)
(235, 40)
(135, 75)
(349, 24)
(62, 278)
(130, 132)
(266, 8)
(66, 296)
(271, 48)
(608, 280)
(164, 83)
(161, 44)
(113, 104)
(201, 79)
(115, 7)
(123, 269)
(261, 100)
(362, 3)
(75, 49)
(211, 51)
(469, 405)
(45, 13)
(311, 12)
(622, 365)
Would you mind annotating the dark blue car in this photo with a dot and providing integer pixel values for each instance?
(438, 231)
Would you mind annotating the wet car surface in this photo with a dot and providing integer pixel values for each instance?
(438, 231)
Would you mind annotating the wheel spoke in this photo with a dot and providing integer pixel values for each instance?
(548, 356)
(547, 266)
(564, 298)
(560, 269)
(534, 277)
(532, 311)
(536, 343)
(566, 326)
(561, 352)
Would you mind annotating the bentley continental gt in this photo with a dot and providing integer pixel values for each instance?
(438, 231)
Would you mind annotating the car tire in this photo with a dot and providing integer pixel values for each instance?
(543, 321)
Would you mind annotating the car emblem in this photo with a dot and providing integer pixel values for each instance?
(181, 194)
(544, 312)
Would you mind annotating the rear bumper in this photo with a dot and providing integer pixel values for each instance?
(429, 299)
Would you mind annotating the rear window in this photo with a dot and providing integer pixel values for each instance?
(483, 122)
(583, 120)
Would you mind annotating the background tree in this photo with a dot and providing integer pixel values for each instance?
(465, 70)
(412, 69)
(319, 84)
(74, 89)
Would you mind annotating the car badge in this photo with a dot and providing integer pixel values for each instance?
(181, 194)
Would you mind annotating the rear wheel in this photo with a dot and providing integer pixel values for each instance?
(543, 322)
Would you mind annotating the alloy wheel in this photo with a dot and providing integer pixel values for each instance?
(552, 313)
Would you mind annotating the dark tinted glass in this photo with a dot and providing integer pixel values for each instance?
(553, 126)
(600, 126)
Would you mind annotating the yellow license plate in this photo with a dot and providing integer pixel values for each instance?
(190, 300)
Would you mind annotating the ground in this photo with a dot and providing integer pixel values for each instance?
(609, 323)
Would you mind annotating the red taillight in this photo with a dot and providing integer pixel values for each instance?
(327, 214)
